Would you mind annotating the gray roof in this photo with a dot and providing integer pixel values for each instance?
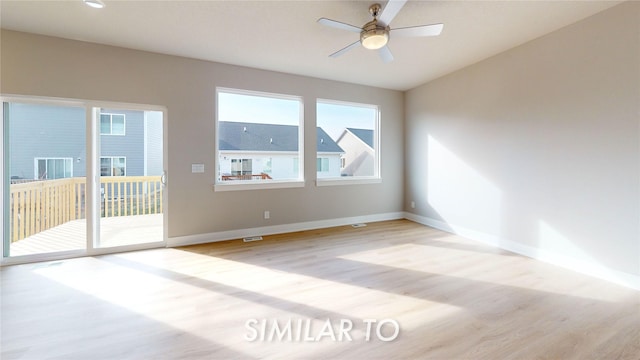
(244, 136)
(364, 135)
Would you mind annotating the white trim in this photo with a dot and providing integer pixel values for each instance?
(39, 257)
(3, 182)
(348, 180)
(93, 187)
(145, 142)
(44, 100)
(238, 185)
(346, 103)
(561, 260)
(41, 100)
(70, 254)
(279, 229)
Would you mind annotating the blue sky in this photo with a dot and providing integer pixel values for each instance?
(332, 117)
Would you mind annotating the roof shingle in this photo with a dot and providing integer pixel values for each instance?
(244, 136)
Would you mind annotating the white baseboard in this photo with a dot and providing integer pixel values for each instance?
(279, 229)
(581, 266)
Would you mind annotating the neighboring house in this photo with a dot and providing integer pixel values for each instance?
(269, 151)
(359, 157)
(48, 142)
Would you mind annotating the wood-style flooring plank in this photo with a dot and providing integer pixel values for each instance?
(452, 298)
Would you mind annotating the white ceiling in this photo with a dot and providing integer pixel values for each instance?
(284, 36)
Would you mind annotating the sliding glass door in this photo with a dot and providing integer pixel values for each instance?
(50, 150)
(131, 177)
(45, 166)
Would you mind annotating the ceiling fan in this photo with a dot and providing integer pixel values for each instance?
(375, 34)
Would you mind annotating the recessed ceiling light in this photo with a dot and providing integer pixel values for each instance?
(94, 3)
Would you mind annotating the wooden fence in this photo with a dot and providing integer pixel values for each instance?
(40, 205)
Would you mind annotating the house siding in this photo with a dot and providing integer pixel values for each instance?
(131, 145)
(359, 157)
(43, 131)
(153, 130)
(46, 131)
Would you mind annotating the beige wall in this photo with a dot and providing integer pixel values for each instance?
(51, 67)
(537, 149)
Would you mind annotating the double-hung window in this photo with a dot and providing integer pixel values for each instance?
(113, 166)
(112, 124)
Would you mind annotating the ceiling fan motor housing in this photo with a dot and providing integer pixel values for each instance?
(374, 36)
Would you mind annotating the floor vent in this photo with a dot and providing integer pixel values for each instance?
(252, 238)
(358, 225)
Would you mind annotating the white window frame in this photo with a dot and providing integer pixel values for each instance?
(111, 167)
(259, 184)
(110, 133)
(46, 159)
(355, 180)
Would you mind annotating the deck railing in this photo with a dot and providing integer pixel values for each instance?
(261, 176)
(40, 205)
(131, 195)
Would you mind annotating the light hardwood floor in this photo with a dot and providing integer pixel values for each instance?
(452, 298)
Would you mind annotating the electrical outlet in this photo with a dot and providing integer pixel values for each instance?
(267, 215)
(413, 204)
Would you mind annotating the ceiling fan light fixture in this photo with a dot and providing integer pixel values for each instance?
(374, 39)
(97, 4)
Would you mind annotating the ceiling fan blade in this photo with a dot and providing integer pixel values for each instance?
(385, 54)
(390, 11)
(345, 49)
(339, 25)
(420, 30)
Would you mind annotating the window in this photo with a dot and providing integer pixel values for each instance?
(113, 166)
(259, 137)
(112, 124)
(53, 168)
(240, 166)
(267, 168)
(347, 142)
(322, 164)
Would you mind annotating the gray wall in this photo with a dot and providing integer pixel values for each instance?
(538, 148)
(52, 67)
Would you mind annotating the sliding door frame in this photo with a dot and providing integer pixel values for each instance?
(92, 111)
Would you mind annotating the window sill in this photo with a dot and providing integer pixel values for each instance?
(262, 185)
(348, 181)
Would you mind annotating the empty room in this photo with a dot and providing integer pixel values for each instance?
(320, 179)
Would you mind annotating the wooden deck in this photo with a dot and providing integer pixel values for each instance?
(114, 231)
